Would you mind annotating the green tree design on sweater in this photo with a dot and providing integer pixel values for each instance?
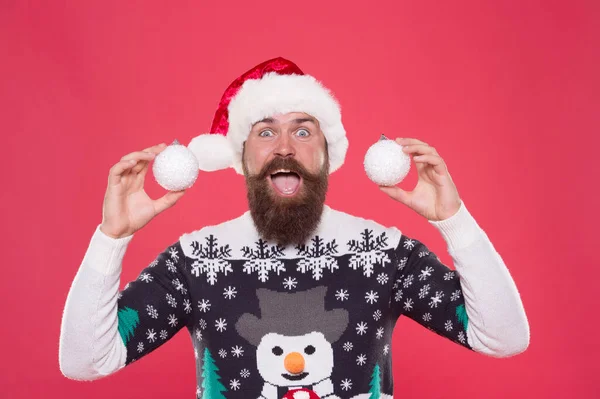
(211, 384)
(375, 383)
(128, 321)
(461, 314)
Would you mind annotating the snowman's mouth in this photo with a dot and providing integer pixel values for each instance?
(294, 377)
(285, 181)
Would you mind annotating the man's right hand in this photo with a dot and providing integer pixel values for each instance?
(127, 208)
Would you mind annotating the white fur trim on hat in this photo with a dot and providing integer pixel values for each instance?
(279, 94)
(214, 151)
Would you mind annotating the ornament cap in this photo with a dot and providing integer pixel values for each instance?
(383, 138)
(175, 142)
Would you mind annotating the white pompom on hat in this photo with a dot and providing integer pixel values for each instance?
(276, 86)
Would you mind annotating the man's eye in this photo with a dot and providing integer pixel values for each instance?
(265, 133)
(303, 133)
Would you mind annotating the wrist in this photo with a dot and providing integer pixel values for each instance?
(111, 233)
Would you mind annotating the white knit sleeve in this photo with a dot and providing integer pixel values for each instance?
(498, 325)
(90, 346)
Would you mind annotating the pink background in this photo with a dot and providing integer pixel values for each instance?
(507, 92)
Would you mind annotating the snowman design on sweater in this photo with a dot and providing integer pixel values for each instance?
(270, 322)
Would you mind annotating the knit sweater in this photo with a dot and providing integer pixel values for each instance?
(266, 320)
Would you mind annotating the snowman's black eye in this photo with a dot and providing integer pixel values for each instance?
(277, 351)
(309, 350)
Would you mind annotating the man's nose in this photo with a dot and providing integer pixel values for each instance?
(285, 147)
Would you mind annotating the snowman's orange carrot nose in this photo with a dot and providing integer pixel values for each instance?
(294, 363)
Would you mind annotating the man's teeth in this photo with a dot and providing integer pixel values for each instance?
(282, 171)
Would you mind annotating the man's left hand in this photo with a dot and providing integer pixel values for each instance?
(435, 197)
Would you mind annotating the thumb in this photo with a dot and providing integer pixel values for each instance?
(167, 200)
(396, 193)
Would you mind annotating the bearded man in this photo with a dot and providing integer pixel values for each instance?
(292, 299)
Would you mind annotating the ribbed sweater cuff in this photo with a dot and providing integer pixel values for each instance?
(105, 254)
(459, 230)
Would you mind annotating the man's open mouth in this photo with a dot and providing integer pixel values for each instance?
(285, 182)
(294, 377)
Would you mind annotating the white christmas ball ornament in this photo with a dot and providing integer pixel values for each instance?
(175, 168)
(385, 162)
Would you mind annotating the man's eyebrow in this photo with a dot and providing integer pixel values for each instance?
(265, 120)
(302, 120)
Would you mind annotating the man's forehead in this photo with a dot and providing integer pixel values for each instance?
(291, 117)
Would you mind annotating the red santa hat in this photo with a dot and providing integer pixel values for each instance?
(276, 86)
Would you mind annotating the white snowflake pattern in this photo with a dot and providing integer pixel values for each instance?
(202, 324)
(361, 328)
(424, 291)
(427, 317)
(187, 306)
(290, 283)
(223, 353)
(379, 333)
(402, 263)
(212, 268)
(377, 315)
(317, 265)
(348, 346)
(448, 326)
(386, 349)
(140, 347)
(204, 305)
(146, 277)
(382, 278)
(371, 297)
(245, 373)
(234, 384)
(361, 359)
(461, 337)
(221, 325)
(408, 304)
(398, 296)
(171, 301)
(163, 334)
(409, 243)
(198, 392)
(423, 253)
(171, 266)
(198, 334)
(120, 295)
(408, 280)
(153, 263)
(196, 353)
(263, 267)
(425, 273)
(346, 384)
(174, 254)
(152, 312)
(151, 335)
(237, 351)
(230, 292)
(437, 299)
(455, 295)
(342, 295)
(172, 320)
(367, 260)
(126, 286)
(179, 286)
(449, 275)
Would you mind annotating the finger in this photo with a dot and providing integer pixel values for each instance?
(435, 160)
(419, 149)
(142, 166)
(118, 169)
(409, 141)
(396, 193)
(139, 156)
(156, 149)
(167, 200)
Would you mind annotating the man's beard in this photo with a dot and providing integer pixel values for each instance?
(287, 220)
